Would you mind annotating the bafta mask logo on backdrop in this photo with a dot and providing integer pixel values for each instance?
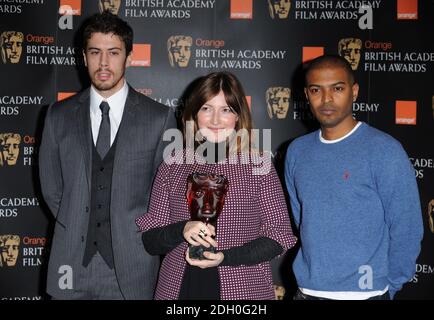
(179, 50)
(279, 291)
(9, 148)
(279, 8)
(9, 247)
(431, 215)
(11, 43)
(278, 99)
(110, 5)
(351, 49)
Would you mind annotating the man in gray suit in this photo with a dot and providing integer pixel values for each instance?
(99, 153)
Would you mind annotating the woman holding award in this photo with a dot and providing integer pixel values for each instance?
(216, 216)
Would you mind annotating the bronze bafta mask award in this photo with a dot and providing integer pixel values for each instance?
(205, 196)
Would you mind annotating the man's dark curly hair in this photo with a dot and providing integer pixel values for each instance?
(106, 23)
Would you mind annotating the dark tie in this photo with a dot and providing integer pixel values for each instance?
(103, 141)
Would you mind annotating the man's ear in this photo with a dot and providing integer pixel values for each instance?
(84, 58)
(305, 93)
(128, 60)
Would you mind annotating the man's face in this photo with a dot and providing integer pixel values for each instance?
(280, 104)
(106, 60)
(331, 95)
(205, 195)
(351, 52)
(281, 7)
(10, 252)
(110, 5)
(181, 53)
(13, 48)
(11, 150)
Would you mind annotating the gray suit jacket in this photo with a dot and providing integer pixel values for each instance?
(65, 172)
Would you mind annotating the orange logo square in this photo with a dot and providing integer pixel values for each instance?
(406, 112)
(141, 56)
(249, 102)
(64, 95)
(310, 53)
(407, 10)
(70, 7)
(241, 9)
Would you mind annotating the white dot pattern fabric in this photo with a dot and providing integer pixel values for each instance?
(254, 207)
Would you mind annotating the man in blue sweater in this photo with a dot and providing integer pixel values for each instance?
(353, 195)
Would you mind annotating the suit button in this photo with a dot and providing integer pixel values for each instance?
(99, 206)
(82, 238)
(100, 187)
(101, 169)
(98, 224)
(95, 243)
(87, 209)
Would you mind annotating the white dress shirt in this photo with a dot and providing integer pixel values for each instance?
(117, 105)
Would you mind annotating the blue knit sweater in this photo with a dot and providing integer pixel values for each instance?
(356, 204)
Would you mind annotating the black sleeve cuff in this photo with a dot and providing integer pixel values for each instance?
(253, 252)
(161, 240)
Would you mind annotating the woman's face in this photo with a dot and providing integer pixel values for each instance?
(215, 119)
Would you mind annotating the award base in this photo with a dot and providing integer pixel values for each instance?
(196, 252)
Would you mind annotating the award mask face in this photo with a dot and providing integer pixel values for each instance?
(205, 195)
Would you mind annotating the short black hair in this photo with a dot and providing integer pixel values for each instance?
(106, 23)
(325, 61)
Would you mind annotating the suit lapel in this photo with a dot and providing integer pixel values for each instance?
(84, 133)
(126, 128)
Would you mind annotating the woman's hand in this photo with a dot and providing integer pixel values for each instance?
(198, 233)
(212, 259)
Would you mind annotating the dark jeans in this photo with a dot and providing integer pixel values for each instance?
(301, 296)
